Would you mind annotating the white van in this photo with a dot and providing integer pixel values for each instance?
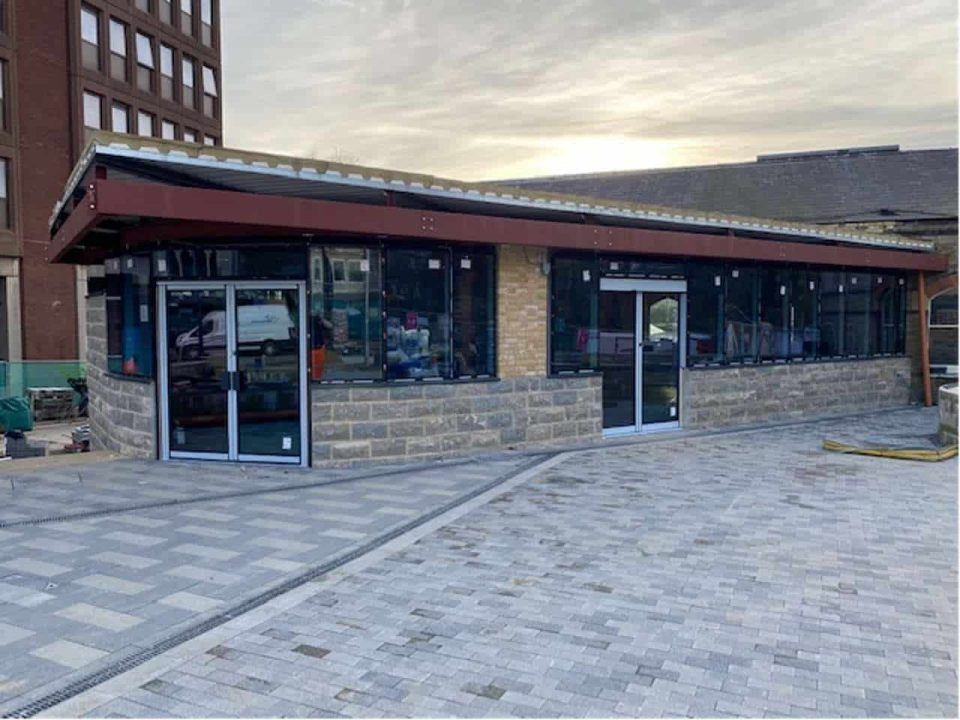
(265, 328)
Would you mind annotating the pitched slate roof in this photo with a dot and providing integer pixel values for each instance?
(832, 186)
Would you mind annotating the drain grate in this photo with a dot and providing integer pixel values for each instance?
(128, 662)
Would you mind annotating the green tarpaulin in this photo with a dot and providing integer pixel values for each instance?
(15, 414)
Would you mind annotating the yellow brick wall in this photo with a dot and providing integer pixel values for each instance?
(521, 312)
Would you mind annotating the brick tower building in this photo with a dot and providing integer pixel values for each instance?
(149, 67)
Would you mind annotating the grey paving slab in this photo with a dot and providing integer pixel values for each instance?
(732, 575)
(80, 594)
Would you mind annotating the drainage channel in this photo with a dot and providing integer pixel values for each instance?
(134, 507)
(132, 660)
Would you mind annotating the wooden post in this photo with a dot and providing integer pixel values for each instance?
(924, 339)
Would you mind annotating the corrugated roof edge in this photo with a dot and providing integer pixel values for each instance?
(420, 184)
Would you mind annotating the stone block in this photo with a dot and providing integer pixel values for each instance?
(350, 450)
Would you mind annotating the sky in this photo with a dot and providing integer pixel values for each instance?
(495, 89)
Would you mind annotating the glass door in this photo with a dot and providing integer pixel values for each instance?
(660, 359)
(233, 382)
(269, 386)
(617, 358)
(194, 370)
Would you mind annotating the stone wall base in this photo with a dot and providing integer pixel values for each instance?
(122, 413)
(752, 394)
(422, 421)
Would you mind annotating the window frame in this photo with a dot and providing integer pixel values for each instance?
(188, 69)
(168, 81)
(118, 48)
(91, 44)
(146, 66)
(6, 194)
(152, 118)
(115, 107)
(89, 95)
(211, 100)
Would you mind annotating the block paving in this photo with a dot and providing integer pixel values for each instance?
(748, 574)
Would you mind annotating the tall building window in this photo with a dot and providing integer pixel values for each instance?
(206, 22)
(121, 118)
(189, 135)
(168, 130)
(90, 37)
(210, 94)
(145, 64)
(210, 140)
(188, 73)
(4, 21)
(4, 82)
(6, 221)
(166, 72)
(143, 5)
(186, 16)
(145, 124)
(118, 50)
(92, 111)
(166, 11)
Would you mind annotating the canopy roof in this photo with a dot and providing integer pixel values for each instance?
(120, 168)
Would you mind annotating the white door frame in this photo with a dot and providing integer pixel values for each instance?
(230, 288)
(641, 286)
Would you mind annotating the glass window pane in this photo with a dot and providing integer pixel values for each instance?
(884, 314)
(417, 313)
(187, 64)
(118, 37)
(804, 313)
(92, 111)
(209, 81)
(168, 130)
(943, 332)
(121, 118)
(90, 25)
(145, 50)
(206, 11)
(345, 319)
(143, 5)
(166, 61)
(474, 313)
(774, 327)
(137, 327)
(575, 292)
(832, 308)
(145, 124)
(189, 135)
(856, 341)
(5, 220)
(704, 313)
(740, 314)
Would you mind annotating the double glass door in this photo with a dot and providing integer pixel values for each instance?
(233, 377)
(640, 355)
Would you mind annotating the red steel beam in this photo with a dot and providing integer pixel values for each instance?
(268, 214)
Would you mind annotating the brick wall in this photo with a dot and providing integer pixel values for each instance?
(724, 397)
(425, 421)
(521, 313)
(123, 413)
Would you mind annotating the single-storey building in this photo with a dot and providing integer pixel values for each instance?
(255, 307)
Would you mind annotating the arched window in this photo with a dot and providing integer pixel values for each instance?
(943, 334)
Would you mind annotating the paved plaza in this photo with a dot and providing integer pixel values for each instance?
(744, 574)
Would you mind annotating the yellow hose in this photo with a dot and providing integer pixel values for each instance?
(895, 453)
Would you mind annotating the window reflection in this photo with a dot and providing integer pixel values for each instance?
(575, 288)
(740, 312)
(417, 319)
(474, 321)
(345, 317)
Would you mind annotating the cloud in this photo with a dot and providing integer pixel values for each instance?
(506, 88)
